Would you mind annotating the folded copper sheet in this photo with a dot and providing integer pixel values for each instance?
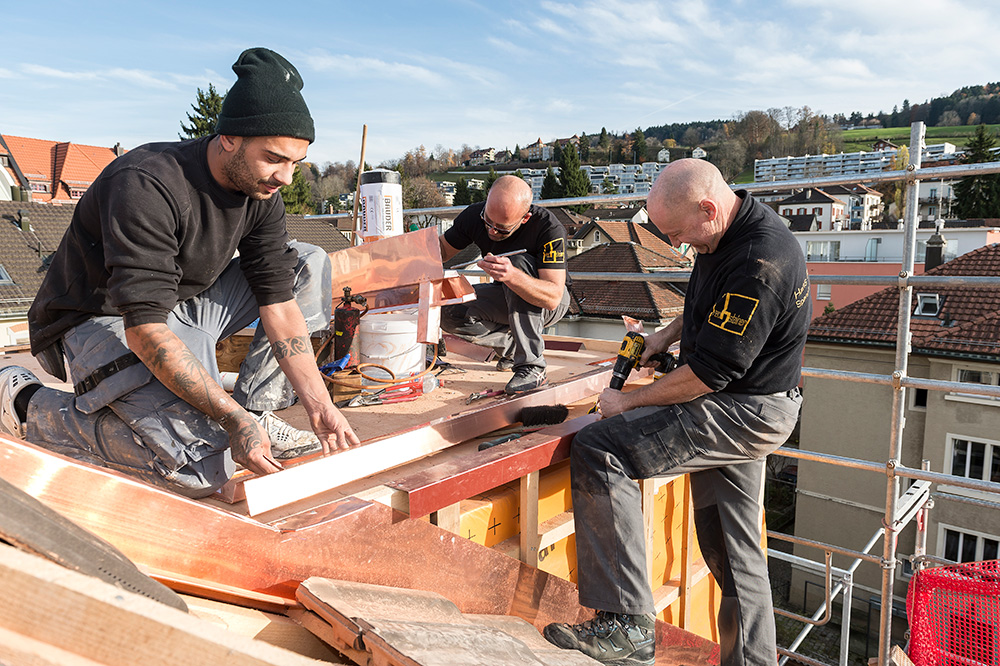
(410, 258)
(349, 540)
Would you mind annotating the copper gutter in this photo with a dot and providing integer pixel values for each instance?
(269, 492)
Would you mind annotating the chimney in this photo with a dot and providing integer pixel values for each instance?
(118, 149)
(23, 220)
(935, 248)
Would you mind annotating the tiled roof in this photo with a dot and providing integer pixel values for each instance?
(967, 324)
(61, 165)
(612, 213)
(805, 222)
(811, 195)
(23, 251)
(648, 301)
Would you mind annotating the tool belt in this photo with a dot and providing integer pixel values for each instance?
(90, 382)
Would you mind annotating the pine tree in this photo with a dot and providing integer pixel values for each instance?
(978, 196)
(298, 195)
(608, 186)
(462, 195)
(638, 146)
(490, 179)
(206, 114)
(551, 189)
(584, 147)
(572, 179)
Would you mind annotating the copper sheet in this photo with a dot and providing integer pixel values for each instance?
(390, 262)
(265, 493)
(478, 471)
(170, 533)
(450, 290)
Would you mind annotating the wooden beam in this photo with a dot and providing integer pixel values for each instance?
(528, 511)
(68, 611)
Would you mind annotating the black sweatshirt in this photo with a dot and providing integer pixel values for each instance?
(747, 308)
(153, 230)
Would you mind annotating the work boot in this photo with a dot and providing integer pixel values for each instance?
(13, 380)
(610, 638)
(505, 364)
(526, 378)
(287, 442)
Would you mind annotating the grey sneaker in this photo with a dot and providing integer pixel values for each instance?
(287, 442)
(505, 364)
(526, 378)
(13, 379)
(610, 638)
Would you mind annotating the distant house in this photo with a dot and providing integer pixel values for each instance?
(807, 222)
(884, 144)
(56, 172)
(699, 153)
(483, 156)
(597, 306)
(599, 232)
(863, 205)
(538, 152)
(663, 155)
(30, 232)
(829, 210)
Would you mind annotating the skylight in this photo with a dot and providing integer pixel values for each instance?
(928, 305)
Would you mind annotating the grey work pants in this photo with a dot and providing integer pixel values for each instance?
(501, 319)
(721, 440)
(134, 424)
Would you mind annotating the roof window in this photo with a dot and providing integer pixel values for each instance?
(928, 305)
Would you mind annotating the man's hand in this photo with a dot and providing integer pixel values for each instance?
(498, 268)
(333, 430)
(612, 403)
(250, 445)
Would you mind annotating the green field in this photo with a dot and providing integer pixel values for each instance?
(862, 139)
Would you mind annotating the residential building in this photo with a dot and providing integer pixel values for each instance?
(56, 172)
(863, 205)
(30, 232)
(482, 156)
(635, 229)
(955, 337)
(830, 211)
(597, 306)
(663, 155)
(839, 164)
(447, 190)
(538, 152)
(699, 153)
(936, 199)
(876, 252)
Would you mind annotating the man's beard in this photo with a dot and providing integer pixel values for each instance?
(237, 171)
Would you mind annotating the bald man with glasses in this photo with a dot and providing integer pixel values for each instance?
(527, 292)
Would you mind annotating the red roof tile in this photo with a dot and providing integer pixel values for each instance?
(967, 323)
(63, 166)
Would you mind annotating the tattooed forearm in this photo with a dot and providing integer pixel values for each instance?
(291, 347)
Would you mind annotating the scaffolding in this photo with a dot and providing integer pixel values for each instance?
(900, 508)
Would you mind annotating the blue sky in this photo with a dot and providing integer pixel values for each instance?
(496, 74)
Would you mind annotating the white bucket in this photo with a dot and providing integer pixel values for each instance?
(390, 340)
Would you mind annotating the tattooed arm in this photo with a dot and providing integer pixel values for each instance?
(169, 359)
(289, 337)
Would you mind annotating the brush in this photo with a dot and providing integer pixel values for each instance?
(532, 418)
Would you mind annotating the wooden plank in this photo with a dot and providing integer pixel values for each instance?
(272, 628)
(648, 506)
(294, 483)
(64, 609)
(687, 554)
(448, 518)
(411, 643)
(591, 344)
(479, 471)
(19, 650)
(315, 625)
(556, 529)
(528, 522)
(670, 591)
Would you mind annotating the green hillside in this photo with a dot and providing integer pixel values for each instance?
(862, 139)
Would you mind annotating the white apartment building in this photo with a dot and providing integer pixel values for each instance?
(839, 164)
(830, 211)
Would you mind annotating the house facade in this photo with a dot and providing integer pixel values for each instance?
(955, 337)
(830, 211)
(875, 252)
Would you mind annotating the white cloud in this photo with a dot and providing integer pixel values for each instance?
(355, 67)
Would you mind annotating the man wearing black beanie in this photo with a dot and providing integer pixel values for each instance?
(174, 247)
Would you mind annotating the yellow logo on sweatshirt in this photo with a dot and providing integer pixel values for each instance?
(733, 313)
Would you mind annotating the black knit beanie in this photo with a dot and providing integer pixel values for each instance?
(265, 100)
